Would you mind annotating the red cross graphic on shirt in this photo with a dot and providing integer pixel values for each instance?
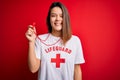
(57, 60)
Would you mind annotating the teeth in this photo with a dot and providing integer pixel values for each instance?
(57, 24)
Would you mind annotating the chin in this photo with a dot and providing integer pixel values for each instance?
(58, 30)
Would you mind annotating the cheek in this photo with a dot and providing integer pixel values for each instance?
(52, 21)
(61, 19)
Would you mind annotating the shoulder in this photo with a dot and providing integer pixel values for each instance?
(75, 37)
(43, 36)
(74, 41)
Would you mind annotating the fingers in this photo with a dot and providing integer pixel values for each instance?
(34, 24)
(32, 28)
(35, 30)
(31, 32)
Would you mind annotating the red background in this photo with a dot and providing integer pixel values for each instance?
(96, 22)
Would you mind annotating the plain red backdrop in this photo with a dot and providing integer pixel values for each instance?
(96, 22)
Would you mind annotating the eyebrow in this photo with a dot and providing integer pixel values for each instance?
(55, 13)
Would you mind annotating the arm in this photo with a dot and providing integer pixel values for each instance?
(77, 72)
(33, 62)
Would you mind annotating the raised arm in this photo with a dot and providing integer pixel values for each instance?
(33, 62)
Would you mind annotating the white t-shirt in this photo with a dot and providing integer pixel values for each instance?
(57, 61)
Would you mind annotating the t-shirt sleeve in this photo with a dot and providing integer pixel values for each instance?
(79, 58)
(38, 48)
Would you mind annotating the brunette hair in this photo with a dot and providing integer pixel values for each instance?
(66, 29)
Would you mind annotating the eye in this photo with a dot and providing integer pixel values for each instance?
(53, 15)
(61, 16)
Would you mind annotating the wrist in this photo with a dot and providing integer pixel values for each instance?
(31, 42)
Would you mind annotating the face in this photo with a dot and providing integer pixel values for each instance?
(56, 19)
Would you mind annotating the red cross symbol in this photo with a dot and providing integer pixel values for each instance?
(58, 60)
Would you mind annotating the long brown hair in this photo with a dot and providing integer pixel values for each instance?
(66, 29)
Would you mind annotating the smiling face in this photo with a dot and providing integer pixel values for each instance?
(56, 18)
(58, 21)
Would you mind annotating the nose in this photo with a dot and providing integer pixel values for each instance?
(58, 18)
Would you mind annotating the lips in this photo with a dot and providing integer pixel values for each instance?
(57, 24)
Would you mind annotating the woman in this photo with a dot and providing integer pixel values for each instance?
(57, 55)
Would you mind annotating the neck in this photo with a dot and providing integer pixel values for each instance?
(56, 33)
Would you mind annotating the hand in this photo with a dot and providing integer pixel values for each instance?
(31, 33)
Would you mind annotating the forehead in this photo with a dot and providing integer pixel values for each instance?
(56, 10)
